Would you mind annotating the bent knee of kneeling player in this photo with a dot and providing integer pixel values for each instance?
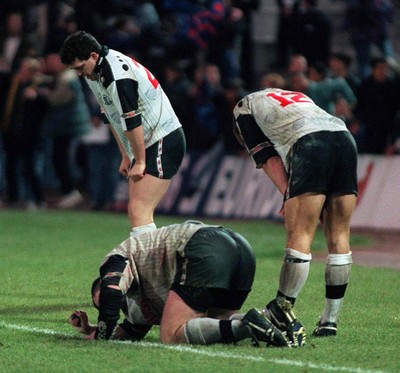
(172, 335)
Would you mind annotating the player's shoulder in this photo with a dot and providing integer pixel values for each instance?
(117, 67)
(254, 100)
(115, 58)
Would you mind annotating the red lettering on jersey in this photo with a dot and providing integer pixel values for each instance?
(286, 98)
(150, 76)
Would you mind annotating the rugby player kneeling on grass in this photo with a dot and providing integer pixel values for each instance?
(190, 278)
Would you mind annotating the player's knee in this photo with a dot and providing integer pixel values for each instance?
(166, 337)
(171, 336)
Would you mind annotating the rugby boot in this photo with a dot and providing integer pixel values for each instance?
(280, 312)
(263, 330)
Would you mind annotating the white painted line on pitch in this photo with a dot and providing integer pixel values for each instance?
(199, 351)
(326, 367)
(141, 344)
(32, 329)
(195, 351)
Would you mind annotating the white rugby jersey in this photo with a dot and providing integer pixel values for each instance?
(284, 117)
(151, 268)
(129, 95)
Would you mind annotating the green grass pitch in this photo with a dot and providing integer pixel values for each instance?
(47, 263)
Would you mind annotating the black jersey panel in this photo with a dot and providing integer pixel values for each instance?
(128, 94)
(258, 144)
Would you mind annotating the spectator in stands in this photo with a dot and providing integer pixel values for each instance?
(224, 49)
(232, 92)
(329, 89)
(225, 142)
(135, 30)
(386, 15)
(62, 22)
(367, 22)
(377, 105)
(288, 12)
(272, 80)
(313, 33)
(23, 145)
(196, 23)
(67, 119)
(124, 35)
(339, 67)
(178, 87)
(93, 15)
(205, 128)
(146, 15)
(247, 55)
(101, 160)
(324, 91)
(15, 45)
(298, 64)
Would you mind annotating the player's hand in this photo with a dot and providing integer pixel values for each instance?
(124, 167)
(137, 172)
(91, 335)
(80, 321)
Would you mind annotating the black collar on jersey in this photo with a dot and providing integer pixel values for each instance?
(103, 52)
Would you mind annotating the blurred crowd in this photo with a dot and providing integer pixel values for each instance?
(56, 151)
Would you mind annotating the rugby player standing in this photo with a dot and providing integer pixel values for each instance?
(311, 157)
(144, 124)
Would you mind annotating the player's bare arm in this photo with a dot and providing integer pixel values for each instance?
(110, 296)
(136, 139)
(276, 171)
(80, 321)
(125, 162)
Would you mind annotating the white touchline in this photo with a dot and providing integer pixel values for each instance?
(199, 351)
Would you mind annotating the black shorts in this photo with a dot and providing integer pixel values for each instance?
(164, 158)
(323, 162)
(217, 270)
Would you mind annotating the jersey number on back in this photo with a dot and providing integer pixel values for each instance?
(286, 98)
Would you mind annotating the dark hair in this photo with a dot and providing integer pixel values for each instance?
(313, 3)
(78, 45)
(319, 67)
(377, 61)
(344, 57)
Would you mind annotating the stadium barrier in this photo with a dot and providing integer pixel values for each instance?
(217, 185)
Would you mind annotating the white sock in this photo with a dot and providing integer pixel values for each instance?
(331, 311)
(205, 330)
(142, 229)
(337, 275)
(294, 272)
